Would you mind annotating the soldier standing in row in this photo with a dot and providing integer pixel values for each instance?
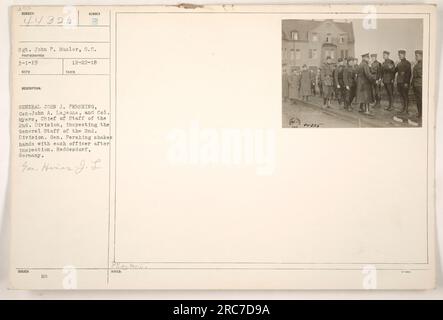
(338, 77)
(417, 74)
(356, 67)
(365, 80)
(285, 84)
(403, 70)
(305, 83)
(294, 85)
(376, 71)
(326, 77)
(350, 83)
(388, 76)
(318, 82)
(313, 91)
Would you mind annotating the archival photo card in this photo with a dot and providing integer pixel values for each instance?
(155, 147)
(340, 73)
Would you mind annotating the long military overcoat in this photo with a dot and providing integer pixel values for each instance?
(327, 79)
(285, 85)
(305, 83)
(364, 83)
(294, 86)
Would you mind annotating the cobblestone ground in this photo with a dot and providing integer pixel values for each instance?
(311, 114)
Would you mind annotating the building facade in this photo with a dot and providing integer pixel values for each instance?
(311, 41)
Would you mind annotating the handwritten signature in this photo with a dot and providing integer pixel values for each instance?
(78, 168)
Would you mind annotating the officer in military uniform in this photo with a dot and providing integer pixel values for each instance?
(365, 80)
(338, 77)
(327, 81)
(376, 86)
(403, 70)
(356, 66)
(417, 74)
(388, 76)
(350, 82)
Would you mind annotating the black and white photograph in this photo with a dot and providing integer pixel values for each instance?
(339, 73)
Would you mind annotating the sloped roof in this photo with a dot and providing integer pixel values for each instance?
(304, 26)
(346, 27)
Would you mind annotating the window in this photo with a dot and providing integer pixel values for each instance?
(342, 54)
(329, 38)
(291, 54)
(294, 35)
(342, 39)
(297, 54)
(312, 53)
(346, 53)
(314, 37)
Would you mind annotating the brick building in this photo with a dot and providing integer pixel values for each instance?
(311, 41)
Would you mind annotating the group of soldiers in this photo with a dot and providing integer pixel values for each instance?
(348, 82)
